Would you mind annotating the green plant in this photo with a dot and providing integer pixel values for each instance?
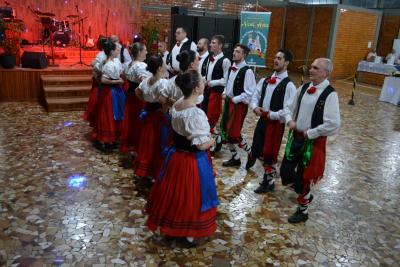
(10, 36)
(150, 33)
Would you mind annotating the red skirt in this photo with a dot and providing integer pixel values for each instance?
(272, 140)
(90, 113)
(316, 167)
(148, 163)
(107, 129)
(175, 200)
(131, 123)
(234, 116)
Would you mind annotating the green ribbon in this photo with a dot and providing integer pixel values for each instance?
(305, 151)
(224, 120)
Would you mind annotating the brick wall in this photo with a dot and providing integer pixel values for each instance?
(355, 30)
(389, 30)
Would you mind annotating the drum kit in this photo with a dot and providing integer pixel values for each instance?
(64, 30)
(60, 32)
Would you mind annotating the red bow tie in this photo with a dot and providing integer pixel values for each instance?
(212, 59)
(233, 68)
(311, 90)
(272, 80)
(178, 44)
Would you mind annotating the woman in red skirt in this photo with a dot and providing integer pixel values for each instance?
(183, 201)
(153, 122)
(110, 102)
(135, 74)
(97, 64)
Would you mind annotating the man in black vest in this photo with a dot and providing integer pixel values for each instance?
(313, 116)
(202, 49)
(239, 90)
(271, 102)
(216, 75)
(182, 44)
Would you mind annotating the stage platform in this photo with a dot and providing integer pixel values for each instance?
(24, 84)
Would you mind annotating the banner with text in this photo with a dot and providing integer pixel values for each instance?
(254, 28)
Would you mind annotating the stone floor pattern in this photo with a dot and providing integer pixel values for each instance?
(51, 216)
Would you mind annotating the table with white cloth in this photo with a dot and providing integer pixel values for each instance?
(391, 90)
(374, 73)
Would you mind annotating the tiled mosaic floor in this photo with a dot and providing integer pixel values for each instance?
(46, 221)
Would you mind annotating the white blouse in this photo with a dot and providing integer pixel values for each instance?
(151, 93)
(137, 72)
(173, 91)
(192, 123)
(112, 69)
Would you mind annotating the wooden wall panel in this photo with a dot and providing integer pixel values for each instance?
(25, 84)
(390, 27)
(321, 31)
(296, 35)
(355, 30)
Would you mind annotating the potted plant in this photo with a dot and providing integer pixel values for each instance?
(10, 38)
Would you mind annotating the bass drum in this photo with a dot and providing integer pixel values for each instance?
(61, 39)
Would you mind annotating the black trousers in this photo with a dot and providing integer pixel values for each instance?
(292, 170)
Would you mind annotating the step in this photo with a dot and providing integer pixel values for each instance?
(66, 79)
(64, 91)
(66, 104)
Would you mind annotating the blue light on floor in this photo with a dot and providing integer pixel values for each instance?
(77, 181)
(68, 123)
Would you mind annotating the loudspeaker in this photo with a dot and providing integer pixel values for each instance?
(34, 60)
(179, 10)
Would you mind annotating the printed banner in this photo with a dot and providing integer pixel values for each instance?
(254, 28)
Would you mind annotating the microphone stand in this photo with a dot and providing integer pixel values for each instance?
(80, 24)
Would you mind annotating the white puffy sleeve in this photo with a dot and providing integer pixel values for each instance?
(111, 71)
(197, 127)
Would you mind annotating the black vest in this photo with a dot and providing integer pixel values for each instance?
(238, 83)
(122, 54)
(218, 73)
(278, 96)
(182, 143)
(317, 117)
(184, 47)
(203, 67)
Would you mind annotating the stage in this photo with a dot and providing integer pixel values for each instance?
(24, 84)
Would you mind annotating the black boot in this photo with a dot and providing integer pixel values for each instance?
(100, 146)
(232, 163)
(265, 185)
(298, 216)
(250, 162)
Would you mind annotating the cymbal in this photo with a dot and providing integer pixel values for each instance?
(72, 16)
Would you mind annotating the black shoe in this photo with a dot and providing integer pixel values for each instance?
(265, 187)
(298, 216)
(100, 146)
(184, 243)
(231, 163)
(250, 162)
